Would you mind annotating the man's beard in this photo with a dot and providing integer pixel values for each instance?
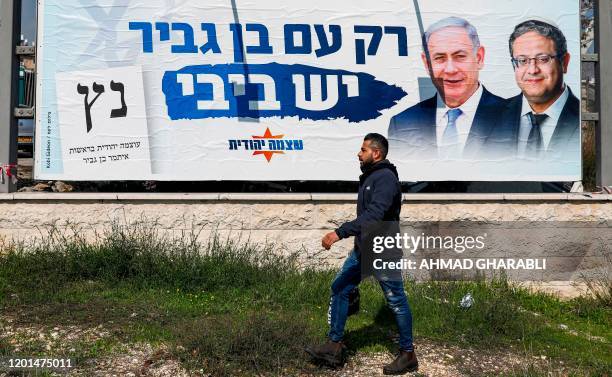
(366, 165)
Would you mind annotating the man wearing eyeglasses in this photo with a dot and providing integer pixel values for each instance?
(455, 123)
(544, 120)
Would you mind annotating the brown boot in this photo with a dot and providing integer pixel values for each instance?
(404, 362)
(330, 353)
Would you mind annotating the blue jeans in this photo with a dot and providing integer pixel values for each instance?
(347, 279)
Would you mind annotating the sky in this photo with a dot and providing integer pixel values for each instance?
(28, 19)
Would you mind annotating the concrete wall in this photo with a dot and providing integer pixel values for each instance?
(295, 222)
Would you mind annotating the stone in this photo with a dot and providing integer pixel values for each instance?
(60, 186)
(41, 187)
(294, 226)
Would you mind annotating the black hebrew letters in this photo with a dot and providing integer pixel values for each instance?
(120, 112)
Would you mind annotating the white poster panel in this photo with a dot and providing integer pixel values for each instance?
(250, 90)
(103, 123)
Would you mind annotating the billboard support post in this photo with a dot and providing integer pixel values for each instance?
(603, 72)
(10, 26)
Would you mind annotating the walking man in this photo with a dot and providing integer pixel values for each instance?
(379, 200)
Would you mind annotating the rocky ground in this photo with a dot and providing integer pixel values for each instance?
(439, 360)
(148, 360)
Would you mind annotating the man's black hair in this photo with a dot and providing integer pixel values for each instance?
(544, 29)
(379, 142)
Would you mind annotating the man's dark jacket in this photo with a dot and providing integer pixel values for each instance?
(412, 133)
(379, 199)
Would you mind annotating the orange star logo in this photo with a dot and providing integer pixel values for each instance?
(268, 154)
(268, 135)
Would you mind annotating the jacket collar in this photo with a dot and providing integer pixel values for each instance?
(384, 164)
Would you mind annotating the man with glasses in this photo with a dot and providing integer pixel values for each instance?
(544, 120)
(455, 123)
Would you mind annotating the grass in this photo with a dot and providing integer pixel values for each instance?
(235, 308)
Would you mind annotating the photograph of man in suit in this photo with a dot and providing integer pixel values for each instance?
(455, 123)
(544, 119)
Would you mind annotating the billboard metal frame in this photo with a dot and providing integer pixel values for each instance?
(603, 90)
(10, 30)
(10, 27)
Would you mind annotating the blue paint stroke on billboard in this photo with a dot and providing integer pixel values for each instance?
(276, 90)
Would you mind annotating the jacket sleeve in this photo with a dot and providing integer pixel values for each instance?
(382, 199)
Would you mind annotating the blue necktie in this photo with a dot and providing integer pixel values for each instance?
(450, 147)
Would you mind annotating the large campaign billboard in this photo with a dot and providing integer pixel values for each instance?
(266, 90)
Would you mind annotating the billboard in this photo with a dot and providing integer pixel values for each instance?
(264, 90)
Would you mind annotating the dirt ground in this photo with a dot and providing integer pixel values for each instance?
(146, 360)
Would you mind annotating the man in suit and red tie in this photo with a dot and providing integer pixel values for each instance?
(456, 122)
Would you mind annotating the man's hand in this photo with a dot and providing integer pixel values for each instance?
(329, 239)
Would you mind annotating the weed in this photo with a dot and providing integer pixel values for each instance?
(233, 307)
(599, 282)
(140, 254)
(254, 344)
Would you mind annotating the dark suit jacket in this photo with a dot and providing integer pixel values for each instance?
(564, 145)
(412, 133)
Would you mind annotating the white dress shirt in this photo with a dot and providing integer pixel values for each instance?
(548, 125)
(463, 123)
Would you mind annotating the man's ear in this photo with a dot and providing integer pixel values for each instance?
(565, 59)
(425, 62)
(377, 154)
(480, 56)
